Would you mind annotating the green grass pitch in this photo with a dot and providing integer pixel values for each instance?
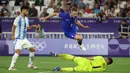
(45, 64)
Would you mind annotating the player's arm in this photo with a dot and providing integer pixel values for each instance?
(32, 26)
(80, 24)
(13, 32)
(49, 16)
(14, 27)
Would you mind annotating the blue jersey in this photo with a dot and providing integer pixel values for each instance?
(68, 23)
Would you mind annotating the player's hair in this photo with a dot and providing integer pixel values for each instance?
(74, 9)
(24, 7)
(110, 60)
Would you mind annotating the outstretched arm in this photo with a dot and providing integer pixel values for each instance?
(31, 27)
(80, 24)
(49, 16)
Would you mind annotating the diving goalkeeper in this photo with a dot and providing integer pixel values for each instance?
(97, 63)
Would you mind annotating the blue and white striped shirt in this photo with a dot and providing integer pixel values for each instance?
(21, 24)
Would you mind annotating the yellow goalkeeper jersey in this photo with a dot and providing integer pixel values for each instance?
(98, 64)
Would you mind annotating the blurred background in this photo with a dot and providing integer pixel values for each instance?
(87, 8)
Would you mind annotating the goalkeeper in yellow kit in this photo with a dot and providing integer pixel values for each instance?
(97, 63)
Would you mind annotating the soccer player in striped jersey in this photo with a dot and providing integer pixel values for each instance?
(19, 31)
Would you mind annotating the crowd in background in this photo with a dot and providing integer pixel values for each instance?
(87, 8)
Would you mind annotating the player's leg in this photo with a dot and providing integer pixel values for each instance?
(14, 59)
(63, 69)
(83, 68)
(31, 55)
(70, 69)
(79, 40)
(66, 56)
(18, 47)
(79, 68)
(77, 37)
(78, 60)
(31, 48)
(67, 69)
(31, 58)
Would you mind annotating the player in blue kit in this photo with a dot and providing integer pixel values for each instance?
(69, 24)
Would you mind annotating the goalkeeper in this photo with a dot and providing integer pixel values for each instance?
(97, 63)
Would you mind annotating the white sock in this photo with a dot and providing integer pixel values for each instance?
(14, 59)
(31, 56)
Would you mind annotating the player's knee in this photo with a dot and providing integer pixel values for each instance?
(80, 37)
(18, 51)
(32, 50)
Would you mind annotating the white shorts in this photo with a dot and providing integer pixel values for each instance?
(19, 44)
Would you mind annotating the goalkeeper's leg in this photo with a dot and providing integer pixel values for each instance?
(78, 60)
(67, 69)
(66, 56)
(63, 69)
(70, 69)
(75, 69)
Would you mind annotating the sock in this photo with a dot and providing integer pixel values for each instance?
(66, 56)
(67, 69)
(31, 57)
(14, 59)
(79, 42)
